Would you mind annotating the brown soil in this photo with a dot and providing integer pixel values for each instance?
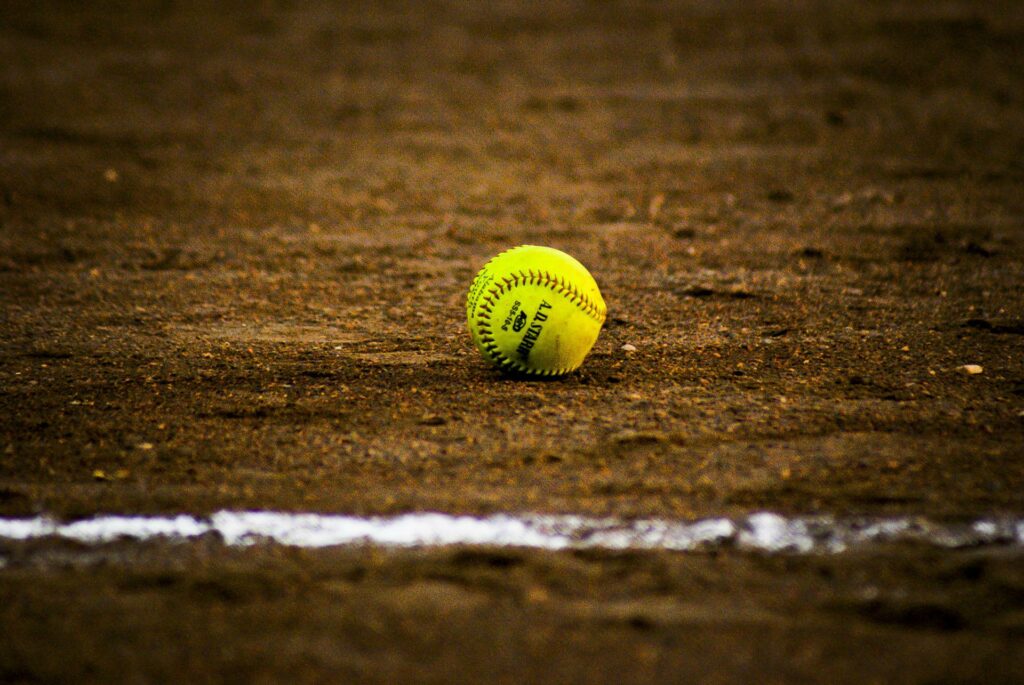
(234, 250)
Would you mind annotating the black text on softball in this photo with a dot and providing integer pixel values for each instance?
(533, 332)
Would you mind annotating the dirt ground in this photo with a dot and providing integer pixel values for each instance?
(235, 244)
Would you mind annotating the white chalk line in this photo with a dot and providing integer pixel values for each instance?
(763, 531)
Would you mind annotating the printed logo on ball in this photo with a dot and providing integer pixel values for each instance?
(512, 320)
(533, 332)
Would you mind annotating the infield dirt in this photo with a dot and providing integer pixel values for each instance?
(235, 245)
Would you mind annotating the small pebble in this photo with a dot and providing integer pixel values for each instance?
(971, 369)
(628, 348)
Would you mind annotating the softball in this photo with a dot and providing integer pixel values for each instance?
(534, 310)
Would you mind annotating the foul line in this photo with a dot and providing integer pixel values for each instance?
(762, 531)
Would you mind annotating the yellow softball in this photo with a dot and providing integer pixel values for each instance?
(535, 310)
